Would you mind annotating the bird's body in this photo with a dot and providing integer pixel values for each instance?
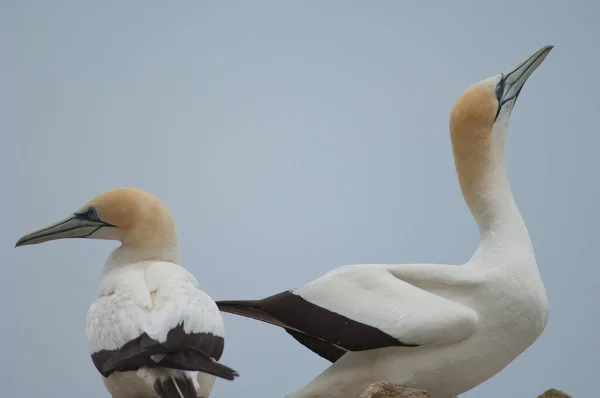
(442, 328)
(151, 332)
(150, 297)
(483, 329)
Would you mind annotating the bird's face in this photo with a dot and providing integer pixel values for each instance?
(128, 215)
(485, 107)
(478, 122)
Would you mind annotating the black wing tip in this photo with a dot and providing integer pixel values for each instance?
(229, 374)
(227, 303)
(193, 360)
(222, 371)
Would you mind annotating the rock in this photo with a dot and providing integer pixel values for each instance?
(383, 389)
(553, 393)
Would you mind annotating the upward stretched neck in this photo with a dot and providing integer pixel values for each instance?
(484, 183)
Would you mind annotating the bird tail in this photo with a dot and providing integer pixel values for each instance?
(179, 386)
(179, 392)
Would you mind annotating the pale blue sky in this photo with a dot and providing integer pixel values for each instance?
(288, 138)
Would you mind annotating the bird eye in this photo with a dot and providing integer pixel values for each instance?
(499, 90)
(92, 214)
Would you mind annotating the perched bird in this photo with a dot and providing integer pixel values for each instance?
(151, 332)
(442, 328)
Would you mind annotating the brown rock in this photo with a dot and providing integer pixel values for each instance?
(383, 389)
(554, 393)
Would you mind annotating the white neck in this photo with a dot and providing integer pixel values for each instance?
(495, 211)
(124, 255)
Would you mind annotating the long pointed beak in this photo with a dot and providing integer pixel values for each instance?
(74, 226)
(515, 78)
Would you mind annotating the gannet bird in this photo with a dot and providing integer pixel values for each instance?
(151, 332)
(442, 328)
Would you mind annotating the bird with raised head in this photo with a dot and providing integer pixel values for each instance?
(438, 327)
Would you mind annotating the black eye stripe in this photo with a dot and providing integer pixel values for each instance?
(90, 214)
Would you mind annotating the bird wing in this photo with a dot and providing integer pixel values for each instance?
(361, 307)
(182, 330)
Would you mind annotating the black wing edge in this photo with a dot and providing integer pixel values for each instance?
(252, 309)
(326, 333)
(192, 352)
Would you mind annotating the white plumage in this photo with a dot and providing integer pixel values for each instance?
(151, 332)
(153, 298)
(403, 310)
(442, 328)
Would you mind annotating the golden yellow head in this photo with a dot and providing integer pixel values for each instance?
(471, 125)
(132, 216)
(479, 119)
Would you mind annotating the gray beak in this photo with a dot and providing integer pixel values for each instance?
(74, 226)
(514, 79)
